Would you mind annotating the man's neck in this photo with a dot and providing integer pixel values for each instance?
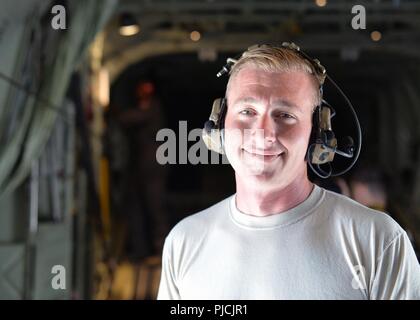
(257, 202)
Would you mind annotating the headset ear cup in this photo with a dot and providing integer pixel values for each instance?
(211, 133)
(212, 138)
(322, 148)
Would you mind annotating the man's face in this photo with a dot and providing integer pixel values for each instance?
(268, 125)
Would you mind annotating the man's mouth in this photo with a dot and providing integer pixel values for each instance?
(263, 155)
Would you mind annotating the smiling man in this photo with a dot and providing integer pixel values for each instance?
(280, 236)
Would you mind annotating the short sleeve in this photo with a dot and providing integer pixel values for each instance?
(397, 272)
(167, 288)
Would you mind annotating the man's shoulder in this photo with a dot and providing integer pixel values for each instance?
(353, 214)
(197, 224)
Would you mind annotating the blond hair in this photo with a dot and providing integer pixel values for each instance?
(277, 59)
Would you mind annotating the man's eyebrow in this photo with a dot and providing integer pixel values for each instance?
(285, 103)
(245, 100)
(276, 103)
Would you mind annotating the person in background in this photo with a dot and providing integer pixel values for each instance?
(147, 220)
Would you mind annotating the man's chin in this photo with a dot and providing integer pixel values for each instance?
(263, 169)
(257, 174)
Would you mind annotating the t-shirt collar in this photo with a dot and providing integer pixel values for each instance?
(281, 219)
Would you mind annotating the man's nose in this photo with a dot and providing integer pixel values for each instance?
(267, 126)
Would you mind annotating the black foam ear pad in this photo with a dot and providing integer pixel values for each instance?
(221, 122)
(223, 109)
(208, 126)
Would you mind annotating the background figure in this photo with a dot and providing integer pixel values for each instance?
(368, 187)
(145, 179)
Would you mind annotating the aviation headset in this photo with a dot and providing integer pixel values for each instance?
(323, 143)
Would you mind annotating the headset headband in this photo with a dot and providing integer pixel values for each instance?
(317, 67)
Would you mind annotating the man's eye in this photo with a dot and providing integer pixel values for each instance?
(246, 112)
(287, 116)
